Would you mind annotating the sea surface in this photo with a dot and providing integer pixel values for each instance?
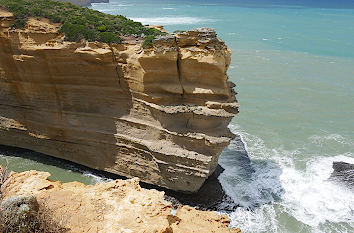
(293, 63)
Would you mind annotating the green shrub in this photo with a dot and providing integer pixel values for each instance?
(179, 31)
(109, 37)
(20, 214)
(148, 41)
(77, 22)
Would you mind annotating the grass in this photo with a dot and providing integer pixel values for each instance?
(79, 23)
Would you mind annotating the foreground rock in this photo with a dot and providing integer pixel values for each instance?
(160, 114)
(117, 206)
(343, 173)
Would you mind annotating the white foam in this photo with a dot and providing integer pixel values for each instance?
(259, 220)
(95, 178)
(305, 194)
(320, 140)
(172, 20)
(312, 199)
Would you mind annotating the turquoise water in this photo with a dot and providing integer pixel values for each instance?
(293, 63)
(294, 69)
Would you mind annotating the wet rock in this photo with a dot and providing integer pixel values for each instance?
(344, 173)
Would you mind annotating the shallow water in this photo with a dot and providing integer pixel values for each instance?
(293, 63)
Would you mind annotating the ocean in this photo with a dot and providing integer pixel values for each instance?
(293, 64)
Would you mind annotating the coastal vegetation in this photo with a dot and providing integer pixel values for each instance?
(25, 214)
(77, 22)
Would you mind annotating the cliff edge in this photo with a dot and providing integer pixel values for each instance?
(116, 206)
(159, 113)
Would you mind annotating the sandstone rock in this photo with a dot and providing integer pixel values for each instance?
(160, 114)
(116, 206)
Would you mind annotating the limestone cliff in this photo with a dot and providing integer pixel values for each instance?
(116, 206)
(160, 113)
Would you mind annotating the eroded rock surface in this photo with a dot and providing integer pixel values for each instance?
(116, 206)
(160, 114)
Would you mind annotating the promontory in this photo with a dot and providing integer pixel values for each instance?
(111, 94)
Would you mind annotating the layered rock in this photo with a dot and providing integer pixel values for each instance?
(160, 113)
(116, 206)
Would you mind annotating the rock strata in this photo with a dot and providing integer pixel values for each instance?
(159, 113)
(116, 206)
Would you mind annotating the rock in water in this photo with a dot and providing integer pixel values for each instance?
(344, 173)
(159, 113)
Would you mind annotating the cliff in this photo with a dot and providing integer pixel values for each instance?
(116, 206)
(159, 113)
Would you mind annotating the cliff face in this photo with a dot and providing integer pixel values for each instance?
(117, 206)
(160, 114)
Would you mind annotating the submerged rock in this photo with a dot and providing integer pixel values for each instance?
(160, 114)
(344, 173)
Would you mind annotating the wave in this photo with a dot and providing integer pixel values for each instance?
(320, 140)
(172, 20)
(95, 178)
(276, 190)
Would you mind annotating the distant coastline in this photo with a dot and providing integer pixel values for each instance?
(84, 2)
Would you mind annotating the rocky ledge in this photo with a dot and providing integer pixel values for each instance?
(159, 113)
(116, 206)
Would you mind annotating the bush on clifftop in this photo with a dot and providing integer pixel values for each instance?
(22, 214)
(77, 22)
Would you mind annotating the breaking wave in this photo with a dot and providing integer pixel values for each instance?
(274, 186)
(173, 20)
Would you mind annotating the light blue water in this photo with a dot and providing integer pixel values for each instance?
(293, 63)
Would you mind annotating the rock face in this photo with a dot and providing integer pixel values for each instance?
(116, 206)
(344, 173)
(160, 114)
